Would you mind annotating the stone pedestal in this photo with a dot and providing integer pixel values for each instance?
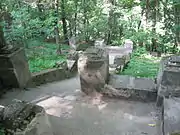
(168, 80)
(93, 67)
(14, 69)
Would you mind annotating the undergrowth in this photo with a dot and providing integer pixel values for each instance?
(142, 64)
(43, 55)
(1, 131)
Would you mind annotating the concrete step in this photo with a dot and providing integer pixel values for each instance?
(133, 88)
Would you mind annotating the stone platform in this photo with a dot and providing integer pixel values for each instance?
(132, 88)
(71, 112)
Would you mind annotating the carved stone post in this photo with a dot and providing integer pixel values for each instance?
(93, 67)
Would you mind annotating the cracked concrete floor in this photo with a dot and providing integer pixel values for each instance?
(72, 113)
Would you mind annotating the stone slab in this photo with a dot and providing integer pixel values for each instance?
(72, 65)
(168, 83)
(133, 88)
(14, 66)
(171, 116)
(119, 55)
(99, 43)
(50, 75)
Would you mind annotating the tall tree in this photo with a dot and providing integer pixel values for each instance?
(64, 23)
(56, 28)
(177, 21)
(2, 39)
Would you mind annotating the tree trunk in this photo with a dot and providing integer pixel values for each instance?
(154, 40)
(56, 29)
(85, 19)
(75, 19)
(2, 39)
(177, 22)
(110, 22)
(147, 11)
(63, 13)
(142, 13)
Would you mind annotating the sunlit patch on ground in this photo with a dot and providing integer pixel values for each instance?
(58, 106)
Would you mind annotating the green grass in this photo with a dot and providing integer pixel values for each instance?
(43, 55)
(1, 131)
(142, 65)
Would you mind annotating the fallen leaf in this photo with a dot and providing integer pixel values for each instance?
(152, 125)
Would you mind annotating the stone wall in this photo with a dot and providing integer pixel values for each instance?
(168, 78)
(171, 117)
(168, 86)
(131, 88)
(50, 75)
(119, 56)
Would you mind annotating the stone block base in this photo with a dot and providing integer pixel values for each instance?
(132, 88)
(14, 69)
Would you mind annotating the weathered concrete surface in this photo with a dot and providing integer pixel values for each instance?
(72, 65)
(14, 66)
(132, 88)
(168, 83)
(21, 118)
(73, 55)
(99, 43)
(119, 56)
(72, 60)
(40, 125)
(47, 76)
(70, 112)
(93, 68)
(171, 116)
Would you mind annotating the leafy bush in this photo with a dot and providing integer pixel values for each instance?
(2, 131)
(142, 64)
(28, 24)
(42, 55)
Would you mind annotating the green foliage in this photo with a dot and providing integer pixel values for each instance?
(42, 55)
(155, 28)
(142, 64)
(2, 131)
(28, 24)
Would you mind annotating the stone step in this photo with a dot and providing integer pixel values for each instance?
(132, 88)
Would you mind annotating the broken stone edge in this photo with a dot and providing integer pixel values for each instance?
(39, 125)
(129, 94)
